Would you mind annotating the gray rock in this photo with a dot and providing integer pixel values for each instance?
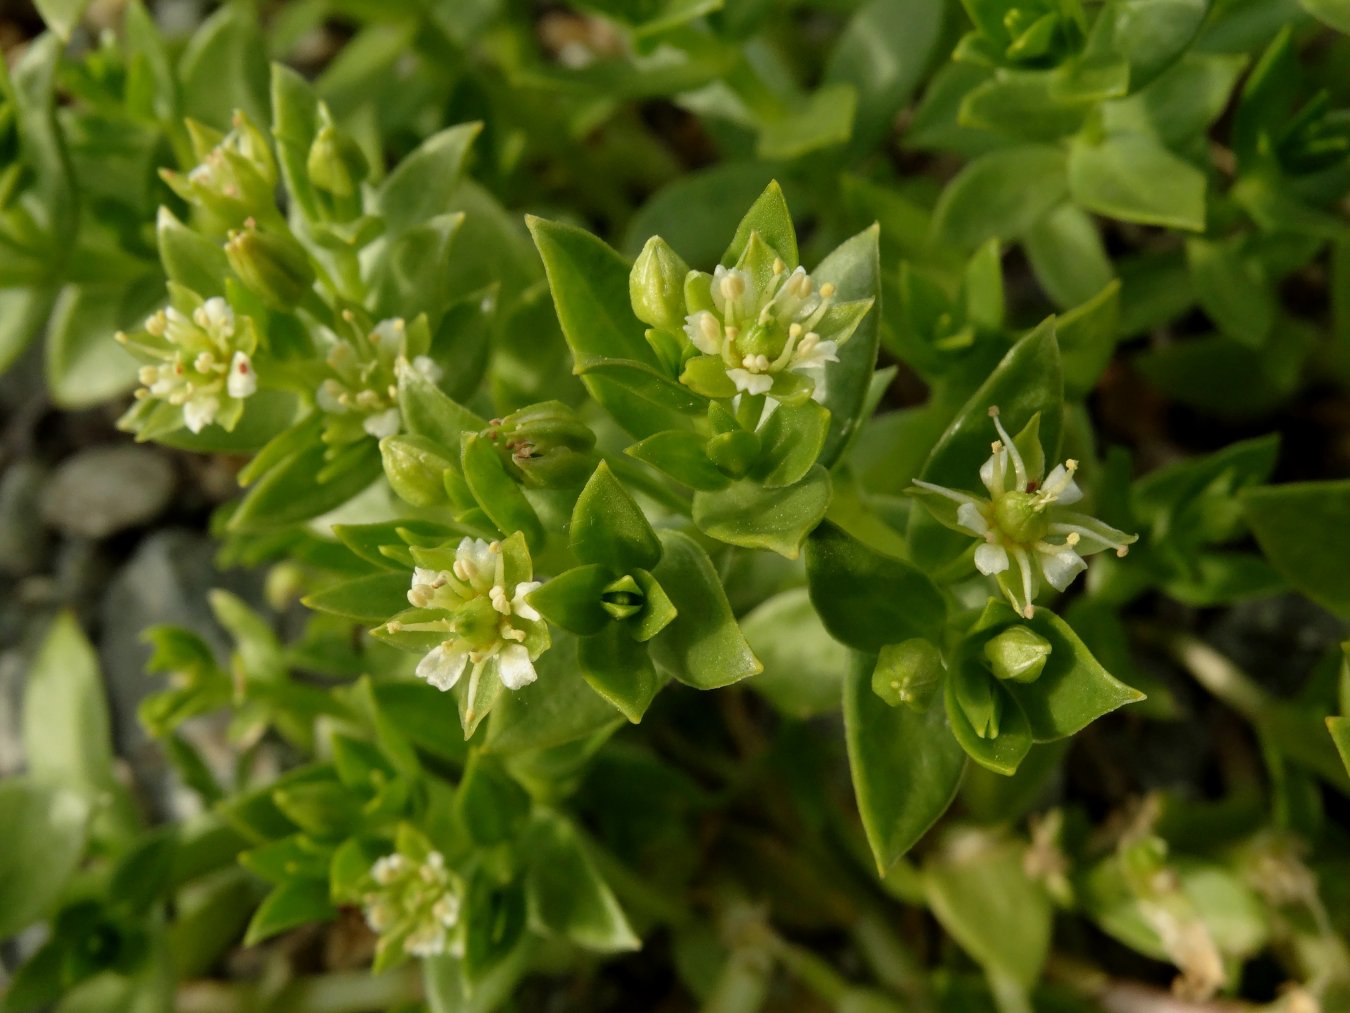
(103, 490)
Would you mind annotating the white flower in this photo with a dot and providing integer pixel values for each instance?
(763, 321)
(1026, 534)
(200, 363)
(360, 393)
(474, 601)
(415, 901)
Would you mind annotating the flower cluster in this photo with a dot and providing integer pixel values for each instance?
(360, 393)
(236, 172)
(1026, 534)
(415, 903)
(469, 608)
(762, 330)
(199, 362)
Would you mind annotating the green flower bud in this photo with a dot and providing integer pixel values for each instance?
(548, 445)
(274, 266)
(735, 452)
(656, 285)
(908, 673)
(336, 164)
(981, 700)
(415, 467)
(623, 598)
(1018, 653)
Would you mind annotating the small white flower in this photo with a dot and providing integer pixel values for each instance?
(517, 670)
(443, 665)
(1025, 532)
(199, 412)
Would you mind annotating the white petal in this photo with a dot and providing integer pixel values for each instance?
(969, 517)
(1061, 476)
(427, 366)
(218, 317)
(326, 397)
(751, 383)
(823, 352)
(995, 465)
(382, 424)
(243, 381)
(704, 332)
(991, 559)
(520, 606)
(200, 412)
(423, 575)
(1060, 568)
(443, 665)
(476, 557)
(515, 667)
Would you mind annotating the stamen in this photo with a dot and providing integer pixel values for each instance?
(827, 290)
(1019, 469)
(942, 490)
(778, 266)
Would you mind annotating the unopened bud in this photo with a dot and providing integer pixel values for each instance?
(548, 445)
(908, 673)
(415, 467)
(274, 266)
(656, 285)
(1018, 653)
(336, 164)
(980, 698)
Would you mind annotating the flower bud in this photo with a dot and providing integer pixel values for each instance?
(1018, 653)
(548, 445)
(415, 467)
(980, 699)
(273, 266)
(336, 164)
(908, 673)
(656, 285)
(735, 452)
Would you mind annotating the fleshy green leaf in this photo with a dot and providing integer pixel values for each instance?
(566, 894)
(298, 902)
(571, 600)
(45, 836)
(703, 647)
(804, 667)
(420, 188)
(619, 668)
(1135, 179)
(906, 766)
(749, 515)
(497, 492)
(868, 599)
(1000, 195)
(770, 218)
(682, 456)
(1302, 529)
(854, 268)
(609, 528)
(370, 599)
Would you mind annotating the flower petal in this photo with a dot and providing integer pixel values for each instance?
(1061, 567)
(242, 380)
(443, 665)
(383, 424)
(515, 667)
(968, 515)
(751, 383)
(522, 608)
(991, 559)
(704, 332)
(1059, 477)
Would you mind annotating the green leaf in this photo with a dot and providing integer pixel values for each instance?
(790, 441)
(683, 456)
(490, 805)
(609, 528)
(368, 600)
(496, 491)
(1067, 256)
(1339, 727)
(428, 411)
(906, 766)
(421, 187)
(61, 16)
(804, 666)
(1135, 179)
(703, 647)
(298, 902)
(854, 267)
(770, 218)
(1335, 13)
(589, 282)
(1087, 339)
(1301, 528)
(865, 598)
(979, 892)
(414, 270)
(189, 258)
(293, 491)
(45, 829)
(819, 120)
(1151, 34)
(1233, 289)
(1000, 195)
(224, 68)
(883, 52)
(571, 600)
(620, 669)
(67, 736)
(751, 516)
(565, 893)
(85, 367)
(1037, 105)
